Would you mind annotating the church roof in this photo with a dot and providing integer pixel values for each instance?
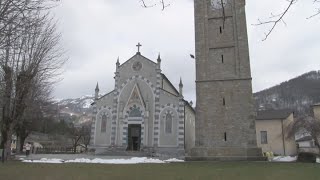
(305, 138)
(188, 104)
(273, 114)
(103, 97)
(137, 54)
(173, 87)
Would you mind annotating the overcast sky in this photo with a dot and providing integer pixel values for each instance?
(96, 32)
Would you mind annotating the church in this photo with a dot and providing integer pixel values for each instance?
(144, 113)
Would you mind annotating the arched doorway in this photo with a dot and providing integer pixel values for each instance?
(134, 128)
(134, 137)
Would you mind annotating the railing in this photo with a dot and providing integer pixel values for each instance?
(56, 150)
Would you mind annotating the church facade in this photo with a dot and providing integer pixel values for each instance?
(144, 113)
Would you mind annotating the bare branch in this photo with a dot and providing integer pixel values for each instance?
(163, 4)
(275, 19)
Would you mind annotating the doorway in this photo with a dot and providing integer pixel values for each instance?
(134, 137)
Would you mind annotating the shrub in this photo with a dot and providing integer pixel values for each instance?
(307, 157)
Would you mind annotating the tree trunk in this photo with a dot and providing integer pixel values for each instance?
(7, 145)
(20, 142)
(75, 148)
(316, 143)
(3, 141)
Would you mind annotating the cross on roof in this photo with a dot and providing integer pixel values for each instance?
(138, 45)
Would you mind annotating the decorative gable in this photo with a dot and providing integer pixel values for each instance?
(135, 97)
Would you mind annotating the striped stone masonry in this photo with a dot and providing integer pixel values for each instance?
(115, 110)
(93, 125)
(156, 125)
(181, 123)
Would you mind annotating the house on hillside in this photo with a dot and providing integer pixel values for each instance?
(272, 127)
(316, 111)
(305, 142)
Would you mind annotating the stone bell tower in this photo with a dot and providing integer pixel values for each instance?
(225, 118)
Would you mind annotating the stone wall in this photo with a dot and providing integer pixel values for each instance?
(225, 118)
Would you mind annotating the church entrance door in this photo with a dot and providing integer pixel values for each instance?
(134, 137)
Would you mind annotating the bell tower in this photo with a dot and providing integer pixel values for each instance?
(225, 118)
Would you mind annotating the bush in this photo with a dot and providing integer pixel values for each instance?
(307, 157)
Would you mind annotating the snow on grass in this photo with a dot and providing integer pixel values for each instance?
(174, 160)
(284, 159)
(134, 160)
(318, 160)
(45, 160)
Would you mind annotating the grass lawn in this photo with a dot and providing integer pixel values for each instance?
(173, 171)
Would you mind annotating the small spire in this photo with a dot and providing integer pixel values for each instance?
(191, 103)
(97, 87)
(180, 88)
(180, 84)
(118, 63)
(96, 94)
(159, 58)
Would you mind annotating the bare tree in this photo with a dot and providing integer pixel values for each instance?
(76, 135)
(32, 118)
(13, 14)
(31, 53)
(309, 125)
(275, 19)
(80, 135)
(86, 135)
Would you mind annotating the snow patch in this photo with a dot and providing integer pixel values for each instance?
(87, 103)
(133, 160)
(318, 160)
(45, 160)
(174, 160)
(284, 159)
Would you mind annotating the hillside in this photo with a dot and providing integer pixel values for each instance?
(298, 94)
(78, 109)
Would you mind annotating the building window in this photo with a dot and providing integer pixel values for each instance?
(168, 128)
(264, 137)
(225, 136)
(104, 123)
(222, 59)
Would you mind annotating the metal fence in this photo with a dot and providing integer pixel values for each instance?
(56, 150)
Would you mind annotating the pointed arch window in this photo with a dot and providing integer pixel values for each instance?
(168, 127)
(135, 111)
(104, 123)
